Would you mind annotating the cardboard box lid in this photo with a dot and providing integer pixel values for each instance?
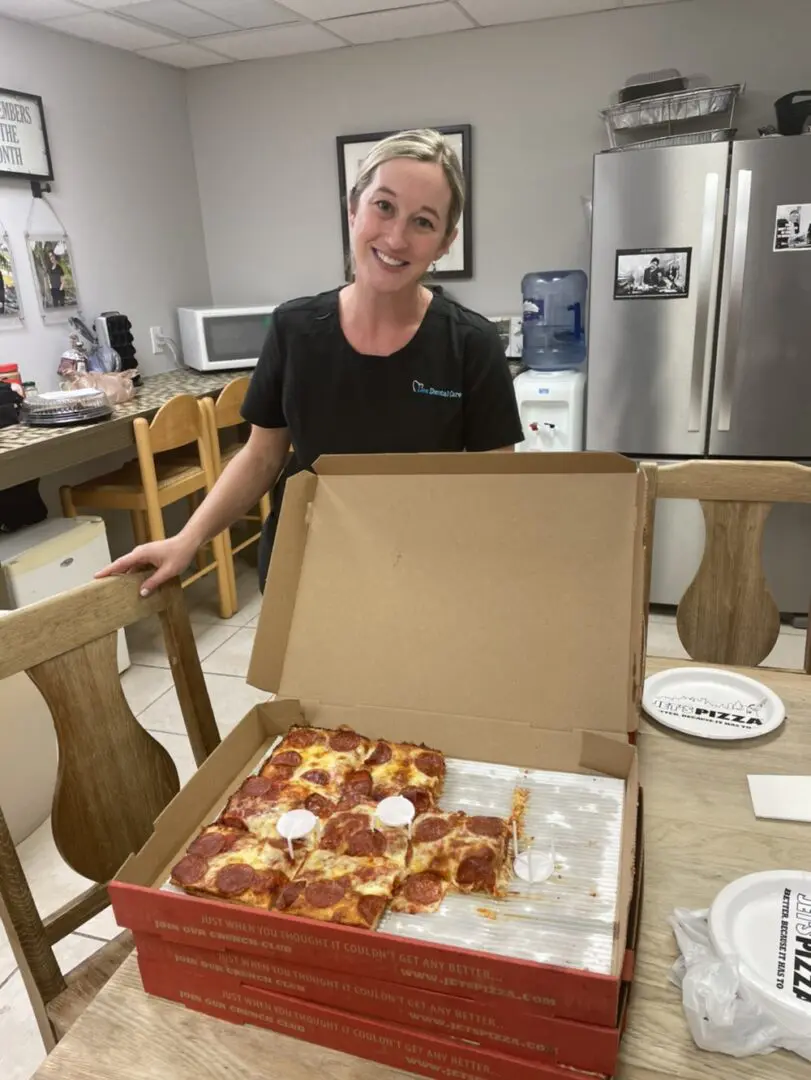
(507, 586)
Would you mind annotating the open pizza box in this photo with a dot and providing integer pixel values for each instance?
(488, 605)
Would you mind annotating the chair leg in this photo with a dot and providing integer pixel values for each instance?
(140, 528)
(264, 508)
(66, 498)
(226, 579)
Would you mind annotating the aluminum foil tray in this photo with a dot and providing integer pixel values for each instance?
(715, 136)
(569, 919)
(672, 108)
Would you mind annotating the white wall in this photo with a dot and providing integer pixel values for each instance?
(264, 132)
(125, 190)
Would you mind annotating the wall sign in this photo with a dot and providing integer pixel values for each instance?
(24, 150)
(652, 274)
(792, 227)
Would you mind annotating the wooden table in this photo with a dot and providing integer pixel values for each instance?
(700, 835)
(27, 453)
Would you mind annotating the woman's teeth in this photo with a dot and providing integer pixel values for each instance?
(387, 260)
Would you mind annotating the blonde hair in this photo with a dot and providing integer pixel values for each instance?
(422, 145)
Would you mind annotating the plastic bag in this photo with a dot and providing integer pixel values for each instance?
(722, 1013)
(117, 386)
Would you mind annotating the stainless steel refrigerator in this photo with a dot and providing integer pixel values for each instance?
(700, 328)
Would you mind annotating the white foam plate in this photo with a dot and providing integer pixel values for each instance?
(712, 703)
(68, 395)
(762, 922)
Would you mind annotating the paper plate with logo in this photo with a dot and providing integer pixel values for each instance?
(762, 923)
(712, 703)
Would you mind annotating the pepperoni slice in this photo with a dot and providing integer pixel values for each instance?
(344, 740)
(477, 870)
(269, 881)
(424, 889)
(323, 894)
(289, 894)
(359, 782)
(432, 828)
(318, 805)
(301, 738)
(316, 776)
(288, 757)
(486, 826)
(258, 786)
(209, 844)
(430, 764)
(370, 908)
(277, 773)
(380, 755)
(190, 870)
(420, 798)
(366, 842)
(350, 799)
(234, 879)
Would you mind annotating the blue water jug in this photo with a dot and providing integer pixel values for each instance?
(554, 314)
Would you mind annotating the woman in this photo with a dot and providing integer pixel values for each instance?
(382, 365)
(56, 280)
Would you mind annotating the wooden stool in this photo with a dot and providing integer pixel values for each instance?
(163, 474)
(225, 413)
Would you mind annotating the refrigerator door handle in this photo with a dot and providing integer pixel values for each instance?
(709, 228)
(731, 324)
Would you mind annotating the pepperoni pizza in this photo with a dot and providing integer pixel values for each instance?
(453, 852)
(231, 864)
(415, 772)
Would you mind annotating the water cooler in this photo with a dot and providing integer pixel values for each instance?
(551, 394)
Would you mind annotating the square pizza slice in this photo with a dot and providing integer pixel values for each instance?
(454, 852)
(356, 833)
(341, 889)
(416, 772)
(319, 760)
(231, 864)
(260, 801)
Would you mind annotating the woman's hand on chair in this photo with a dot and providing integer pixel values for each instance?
(169, 558)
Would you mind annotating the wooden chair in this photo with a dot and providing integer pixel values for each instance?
(728, 614)
(222, 414)
(165, 472)
(114, 779)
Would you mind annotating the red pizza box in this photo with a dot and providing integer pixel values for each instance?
(491, 1025)
(451, 600)
(387, 1043)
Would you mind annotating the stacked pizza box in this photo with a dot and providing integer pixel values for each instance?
(463, 634)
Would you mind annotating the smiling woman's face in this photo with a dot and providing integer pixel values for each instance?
(398, 225)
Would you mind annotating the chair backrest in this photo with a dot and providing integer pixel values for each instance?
(114, 779)
(175, 424)
(728, 614)
(229, 403)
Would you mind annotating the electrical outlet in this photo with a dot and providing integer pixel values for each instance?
(156, 336)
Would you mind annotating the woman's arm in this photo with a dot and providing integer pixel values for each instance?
(245, 479)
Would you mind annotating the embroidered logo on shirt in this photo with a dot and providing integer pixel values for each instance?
(420, 388)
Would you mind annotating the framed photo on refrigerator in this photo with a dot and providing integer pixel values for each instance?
(652, 273)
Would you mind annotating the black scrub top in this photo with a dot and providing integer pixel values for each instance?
(448, 389)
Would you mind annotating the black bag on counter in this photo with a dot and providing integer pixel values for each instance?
(10, 402)
(21, 506)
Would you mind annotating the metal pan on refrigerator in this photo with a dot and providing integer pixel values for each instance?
(712, 703)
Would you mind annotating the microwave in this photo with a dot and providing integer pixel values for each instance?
(223, 338)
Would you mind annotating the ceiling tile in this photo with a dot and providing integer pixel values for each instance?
(495, 12)
(274, 41)
(176, 17)
(110, 30)
(402, 23)
(246, 13)
(183, 55)
(107, 5)
(335, 9)
(35, 10)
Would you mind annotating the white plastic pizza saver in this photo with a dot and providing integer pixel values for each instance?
(712, 703)
(294, 825)
(762, 924)
(396, 811)
(530, 865)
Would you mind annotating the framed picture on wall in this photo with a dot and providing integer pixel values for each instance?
(24, 149)
(52, 264)
(352, 150)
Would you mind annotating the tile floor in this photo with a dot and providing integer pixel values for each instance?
(224, 648)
